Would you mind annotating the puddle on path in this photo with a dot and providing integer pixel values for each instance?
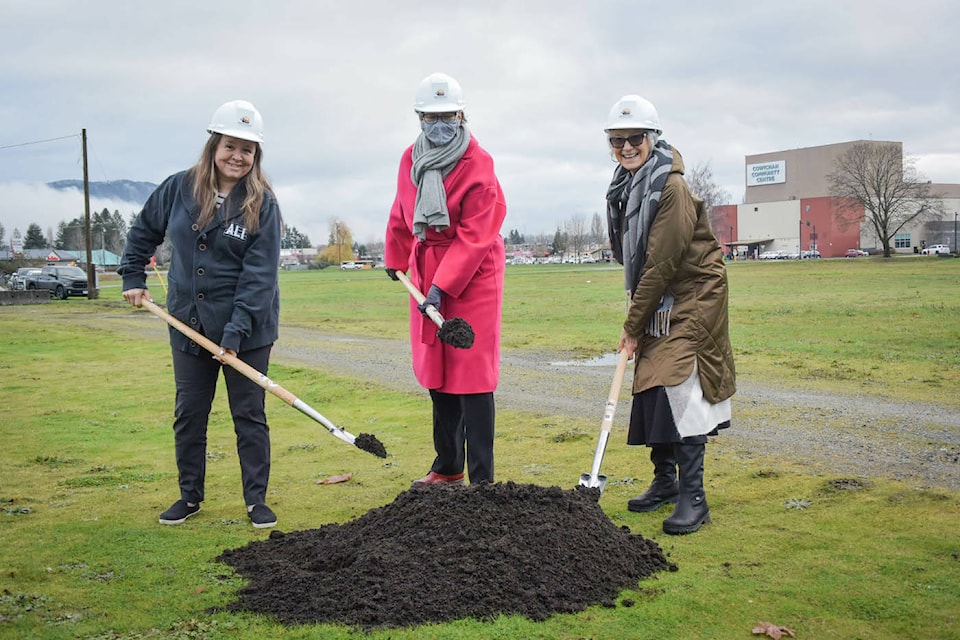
(606, 360)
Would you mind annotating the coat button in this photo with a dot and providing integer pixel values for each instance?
(199, 296)
(200, 271)
(193, 321)
(195, 227)
(202, 247)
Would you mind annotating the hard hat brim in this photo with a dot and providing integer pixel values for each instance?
(439, 108)
(240, 134)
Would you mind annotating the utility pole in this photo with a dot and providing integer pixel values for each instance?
(956, 249)
(92, 291)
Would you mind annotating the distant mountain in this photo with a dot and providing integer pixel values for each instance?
(123, 190)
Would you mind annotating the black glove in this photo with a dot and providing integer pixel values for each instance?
(392, 274)
(432, 299)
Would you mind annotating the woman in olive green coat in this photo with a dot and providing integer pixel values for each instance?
(676, 326)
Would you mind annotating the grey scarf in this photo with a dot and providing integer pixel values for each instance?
(431, 164)
(632, 205)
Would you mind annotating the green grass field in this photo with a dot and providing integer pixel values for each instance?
(88, 463)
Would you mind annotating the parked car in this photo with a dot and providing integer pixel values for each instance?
(935, 249)
(350, 265)
(855, 253)
(18, 280)
(810, 254)
(61, 281)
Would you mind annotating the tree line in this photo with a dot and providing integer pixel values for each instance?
(873, 183)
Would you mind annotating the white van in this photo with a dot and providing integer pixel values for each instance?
(934, 249)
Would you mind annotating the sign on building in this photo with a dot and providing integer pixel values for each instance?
(766, 173)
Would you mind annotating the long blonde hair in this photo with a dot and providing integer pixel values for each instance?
(205, 185)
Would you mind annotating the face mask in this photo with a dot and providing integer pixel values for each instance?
(440, 132)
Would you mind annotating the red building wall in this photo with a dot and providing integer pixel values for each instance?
(723, 219)
(832, 238)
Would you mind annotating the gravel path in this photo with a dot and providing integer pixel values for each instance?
(842, 435)
(853, 436)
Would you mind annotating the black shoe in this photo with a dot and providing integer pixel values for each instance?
(179, 512)
(659, 494)
(664, 488)
(262, 517)
(691, 511)
(688, 516)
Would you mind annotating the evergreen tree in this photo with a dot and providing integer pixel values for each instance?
(559, 243)
(34, 238)
(293, 239)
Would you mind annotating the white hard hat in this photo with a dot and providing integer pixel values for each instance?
(438, 93)
(633, 112)
(239, 119)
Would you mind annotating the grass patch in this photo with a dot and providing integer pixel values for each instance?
(86, 476)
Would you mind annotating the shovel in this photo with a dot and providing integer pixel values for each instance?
(456, 332)
(594, 479)
(365, 442)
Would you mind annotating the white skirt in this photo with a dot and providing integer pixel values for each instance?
(692, 413)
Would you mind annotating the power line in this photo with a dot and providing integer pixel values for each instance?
(24, 144)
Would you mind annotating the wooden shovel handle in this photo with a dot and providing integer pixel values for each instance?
(208, 344)
(249, 372)
(419, 297)
(614, 394)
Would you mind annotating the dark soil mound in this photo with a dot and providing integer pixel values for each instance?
(439, 553)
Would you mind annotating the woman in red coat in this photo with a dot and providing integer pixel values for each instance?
(444, 232)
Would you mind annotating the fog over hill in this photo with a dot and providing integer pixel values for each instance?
(122, 190)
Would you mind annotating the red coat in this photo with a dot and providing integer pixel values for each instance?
(466, 261)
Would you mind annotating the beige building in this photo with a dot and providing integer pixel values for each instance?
(788, 208)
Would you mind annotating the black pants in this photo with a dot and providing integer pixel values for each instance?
(196, 379)
(463, 430)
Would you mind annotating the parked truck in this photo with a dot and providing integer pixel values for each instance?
(61, 281)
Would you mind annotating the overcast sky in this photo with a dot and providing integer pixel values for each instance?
(335, 83)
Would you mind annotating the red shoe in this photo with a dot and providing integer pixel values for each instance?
(436, 478)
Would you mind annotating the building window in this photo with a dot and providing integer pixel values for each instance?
(901, 241)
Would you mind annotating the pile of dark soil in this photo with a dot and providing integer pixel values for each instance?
(439, 553)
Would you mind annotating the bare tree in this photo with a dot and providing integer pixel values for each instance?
(874, 183)
(598, 229)
(702, 184)
(576, 228)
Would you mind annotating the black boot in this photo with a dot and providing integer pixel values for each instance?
(664, 488)
(691, 511)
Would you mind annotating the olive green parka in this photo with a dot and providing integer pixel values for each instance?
(683, 257)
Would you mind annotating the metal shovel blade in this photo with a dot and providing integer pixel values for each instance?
(587, 480)
(594, 479)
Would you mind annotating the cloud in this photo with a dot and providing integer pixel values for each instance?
(33, 203)
(335, 83)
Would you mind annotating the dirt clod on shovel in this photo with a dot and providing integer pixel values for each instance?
(442, 553)
(370, 444)
(457, 332)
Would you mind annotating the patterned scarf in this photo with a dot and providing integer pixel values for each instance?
(431, 164)
(632, 205)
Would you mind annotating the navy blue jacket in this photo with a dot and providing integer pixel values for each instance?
(222, 280)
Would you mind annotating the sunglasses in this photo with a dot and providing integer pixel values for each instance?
(635, 140)
(434, 117)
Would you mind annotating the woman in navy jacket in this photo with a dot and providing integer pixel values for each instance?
(224, 227)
